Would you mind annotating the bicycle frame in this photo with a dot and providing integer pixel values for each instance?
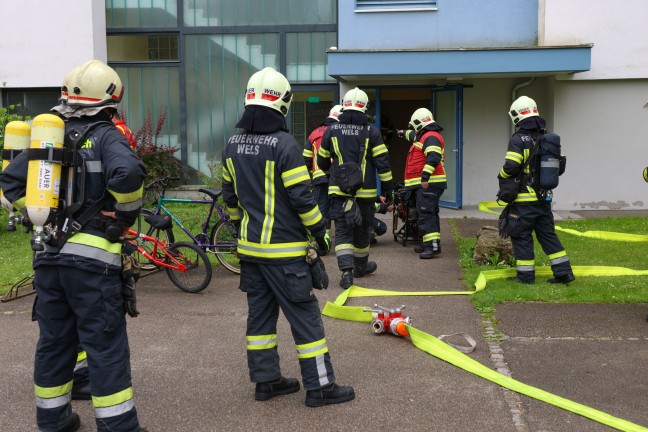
(157, 246)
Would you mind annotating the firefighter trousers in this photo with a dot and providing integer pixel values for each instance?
(77, 306)
(289, 287)
(523, 220)
(427, 207)
(352, 242)
(320, 193)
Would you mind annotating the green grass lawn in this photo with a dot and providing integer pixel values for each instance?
(16, 253)
(582, 251)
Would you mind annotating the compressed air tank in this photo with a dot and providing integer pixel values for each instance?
(44, 176)
(16, 137)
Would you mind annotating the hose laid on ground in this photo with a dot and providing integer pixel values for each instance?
(433, 346)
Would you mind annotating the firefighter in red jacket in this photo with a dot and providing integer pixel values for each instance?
(425, 174)
(121, 126)
(319, 179)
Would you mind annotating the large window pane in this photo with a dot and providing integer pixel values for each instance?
(143, 47)
(306, 56)
(149, 91)
(141, 13)
(200, 13)
(217, 70)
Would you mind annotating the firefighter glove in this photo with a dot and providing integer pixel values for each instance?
(323, 244)
(352, 213)
(130, 274)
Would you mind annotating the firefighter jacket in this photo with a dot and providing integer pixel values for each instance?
(519, 149)
(425, 158)
(110, 166)
(310, 152)
(121, 126)
(342, 142)
(266, 188)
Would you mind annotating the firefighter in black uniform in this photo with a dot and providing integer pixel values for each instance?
(354, 215)
(266, 190)
(81, 297)
(531, 210)
(319, 180)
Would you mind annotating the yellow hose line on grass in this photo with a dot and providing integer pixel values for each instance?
(488, 206)
(437, 348)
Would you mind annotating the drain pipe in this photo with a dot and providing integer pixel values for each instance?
(514, 95)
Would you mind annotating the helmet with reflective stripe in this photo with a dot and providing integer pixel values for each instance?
(522, 108)
(421, 118)
(355, 99)
(94, 84)
(335, 112)
(65, 86)
(269, 88)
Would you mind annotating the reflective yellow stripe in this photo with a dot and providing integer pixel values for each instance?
(367, 193)
(272, 250)
(335, 190)
(503, 174)
(294, 176)
(324, 153)
(311, 350)
(418, 145)
(230, 168)
(527, 169)
(526, 197)
(385, 176)
(307, 153)
(244, 223)
(428, 169)
(226, 175)
(438, 178)
(513, 156)
(524, 262)
(233, 213)
(318, 173)
(269, 202)
(113, 399)
(413, 181)
(312, 217)
(128, 197)
(261, 342)
(96, 242)
(336, 149)
(557, 255)
(82, 356)
(378, 150)
(435, 149)
(19, 204)
(432, 236)
(53, 392)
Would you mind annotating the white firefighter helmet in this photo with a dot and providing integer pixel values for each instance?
(269, 88)
(94, 84)
(355, 99)
(335, 112)
(421, 118)
(522, 108)
(65, 85)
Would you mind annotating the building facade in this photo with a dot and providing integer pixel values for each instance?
(583, 61)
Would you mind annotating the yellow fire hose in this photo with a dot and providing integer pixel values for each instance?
(445, 352)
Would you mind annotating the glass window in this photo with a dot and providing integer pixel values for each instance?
(217, 69)
(394, 5)
(201, 13)
(141, 13)
(143, 47)
(150, 91)
(32, 102)
(306, 56)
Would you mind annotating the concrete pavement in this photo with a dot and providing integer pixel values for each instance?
(190, 372)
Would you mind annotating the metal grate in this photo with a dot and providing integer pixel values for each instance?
(394, 5)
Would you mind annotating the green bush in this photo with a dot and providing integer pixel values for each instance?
(158, 158)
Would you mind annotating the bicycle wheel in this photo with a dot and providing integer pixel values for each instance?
(146, 228)
(223, 239)
(198, 272)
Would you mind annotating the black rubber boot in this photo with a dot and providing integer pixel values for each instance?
(418, 249)
(331, 394)
(368, 268)
(270, 389)
(347, 279)
(517, 279)
(564, 279)
(73, 424)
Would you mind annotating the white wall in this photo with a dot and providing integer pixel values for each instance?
(603, 130)
(41, 40)
(616, 28)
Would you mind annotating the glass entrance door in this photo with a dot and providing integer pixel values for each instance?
(309, 108)
(447, 107)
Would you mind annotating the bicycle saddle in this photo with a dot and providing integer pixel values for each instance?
(213, 193)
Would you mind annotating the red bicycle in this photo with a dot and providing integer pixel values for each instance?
(186, 264)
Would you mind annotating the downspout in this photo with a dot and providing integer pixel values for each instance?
(514, 96)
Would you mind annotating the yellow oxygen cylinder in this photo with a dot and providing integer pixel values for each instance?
(16, 137)
(43, 176)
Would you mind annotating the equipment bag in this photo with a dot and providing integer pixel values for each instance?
(349, 176)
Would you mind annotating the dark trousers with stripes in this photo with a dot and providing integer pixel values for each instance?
(72, 306)
(358, 236)
(427, 207)
(289, 287)
(523, 220)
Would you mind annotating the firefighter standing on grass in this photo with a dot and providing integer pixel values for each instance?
(353, 139)
(425, 174)
(531, 211)
(266, 190)
(319, 180)
(81, 297)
